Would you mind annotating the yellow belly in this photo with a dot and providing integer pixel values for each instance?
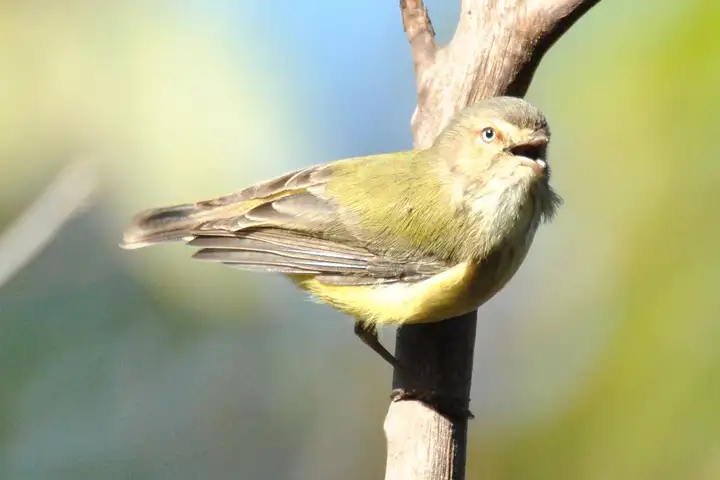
(453, 292)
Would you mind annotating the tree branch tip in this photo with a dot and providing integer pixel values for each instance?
(419, 31)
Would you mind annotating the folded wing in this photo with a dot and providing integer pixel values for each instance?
(285, 225)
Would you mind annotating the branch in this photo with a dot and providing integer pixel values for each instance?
(561, 10)
(420, 33)
(496, 48)
(37, 226)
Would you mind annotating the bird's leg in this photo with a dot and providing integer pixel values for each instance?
(369, 335)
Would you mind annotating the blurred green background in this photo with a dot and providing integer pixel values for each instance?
(600, 360)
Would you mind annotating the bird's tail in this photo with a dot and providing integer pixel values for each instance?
(167, 224)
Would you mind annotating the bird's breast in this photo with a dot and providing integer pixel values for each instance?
(455, 291)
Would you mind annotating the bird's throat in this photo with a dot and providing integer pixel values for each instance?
(501, 212)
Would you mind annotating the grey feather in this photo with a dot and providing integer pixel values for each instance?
(286, 251)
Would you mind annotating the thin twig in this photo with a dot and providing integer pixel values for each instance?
(420, 33)
(36, 227)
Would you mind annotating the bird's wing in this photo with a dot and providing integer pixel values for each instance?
(298, 253)
(285, 225)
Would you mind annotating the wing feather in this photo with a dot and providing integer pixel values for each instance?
(285, 225)
(297, 253)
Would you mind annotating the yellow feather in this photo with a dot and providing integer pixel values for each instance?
(448, 294)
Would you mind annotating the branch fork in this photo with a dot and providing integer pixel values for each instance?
(496, 48)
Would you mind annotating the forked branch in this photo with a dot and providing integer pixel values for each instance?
(496, 49)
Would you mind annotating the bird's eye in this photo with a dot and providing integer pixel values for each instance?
(488, 134)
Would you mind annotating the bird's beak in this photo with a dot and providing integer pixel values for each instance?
(532, 153)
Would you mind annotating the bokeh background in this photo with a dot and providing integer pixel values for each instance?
(600, 360)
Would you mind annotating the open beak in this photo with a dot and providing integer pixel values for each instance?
(532, 153)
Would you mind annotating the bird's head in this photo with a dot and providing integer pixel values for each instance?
(497, 149)
(504, 135)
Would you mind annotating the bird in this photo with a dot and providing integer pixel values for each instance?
(399, 238)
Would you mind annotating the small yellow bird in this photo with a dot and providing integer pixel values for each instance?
(406, 237)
